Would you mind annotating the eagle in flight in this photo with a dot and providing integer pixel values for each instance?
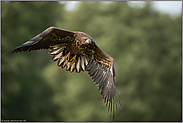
(77, 51)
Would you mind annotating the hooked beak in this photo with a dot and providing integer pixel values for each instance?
(88, 41)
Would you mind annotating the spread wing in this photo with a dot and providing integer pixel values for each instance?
(101, 69)
(60, 43)
(50, 37)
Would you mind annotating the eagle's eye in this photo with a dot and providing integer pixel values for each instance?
(88, 41)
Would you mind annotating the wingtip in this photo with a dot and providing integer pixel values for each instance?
(9, 51)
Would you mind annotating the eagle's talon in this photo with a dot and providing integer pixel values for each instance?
(73, 59)
(67, 56)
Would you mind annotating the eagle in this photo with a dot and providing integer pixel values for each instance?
(76, 51)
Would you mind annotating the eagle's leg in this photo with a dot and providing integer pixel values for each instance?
(73, 59)
(67, 56)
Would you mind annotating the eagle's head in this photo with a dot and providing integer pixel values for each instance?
(84, 40)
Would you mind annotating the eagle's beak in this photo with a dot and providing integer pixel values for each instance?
(88, 41)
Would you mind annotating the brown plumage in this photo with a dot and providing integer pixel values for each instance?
(77, 51)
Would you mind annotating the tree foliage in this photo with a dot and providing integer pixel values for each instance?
(145, 44)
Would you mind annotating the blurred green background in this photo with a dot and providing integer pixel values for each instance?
(145, 44)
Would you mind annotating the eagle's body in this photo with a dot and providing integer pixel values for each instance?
(77, 51)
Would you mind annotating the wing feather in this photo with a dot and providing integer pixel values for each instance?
(72, 67)
(78, 66)
(82, 63)
(92, 71)
(97, 79)
(103, 81)
(85, 60)
(57, 51)
(60, 61)
(90, 65)
(68, 66)
(64, 64)
(56, 57)
(95, 75)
